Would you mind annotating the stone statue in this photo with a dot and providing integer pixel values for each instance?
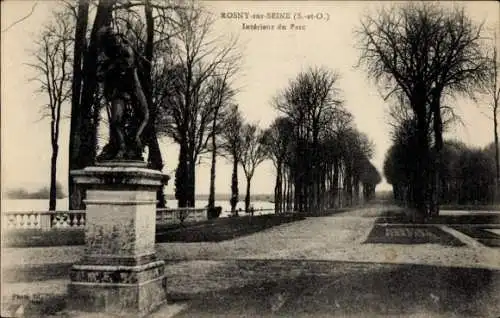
(126, 102)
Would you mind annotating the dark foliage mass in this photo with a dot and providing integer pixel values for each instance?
(467, 174)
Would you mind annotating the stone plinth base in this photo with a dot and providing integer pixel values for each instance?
(119, 273)
(133, 291)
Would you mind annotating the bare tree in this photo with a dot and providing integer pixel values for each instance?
(253, 153)
(232, 148)
(188, 108)
(277, 141)
(424, 51)
(312, 103)
(152, 31)
(493, 89)
(85, 106)
(157, 18)
(75, 194)
(53, 68)
(223, 97)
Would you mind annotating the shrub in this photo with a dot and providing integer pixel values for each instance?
(214, 212)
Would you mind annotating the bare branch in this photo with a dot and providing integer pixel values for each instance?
(22, 19)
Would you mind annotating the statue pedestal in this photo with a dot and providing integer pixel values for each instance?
(119, 273)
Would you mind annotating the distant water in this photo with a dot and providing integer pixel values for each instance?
(62, 204)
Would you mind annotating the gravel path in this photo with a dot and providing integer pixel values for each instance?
(318, 238)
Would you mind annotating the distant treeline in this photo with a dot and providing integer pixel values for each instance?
(42, 193)
(384, 195)
(226, 197)
(466, 174)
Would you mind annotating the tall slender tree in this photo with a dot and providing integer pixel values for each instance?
(223, 95)
(52, 64)
(85, 103)
(232, 148)
(253, 153)
(189, 107)
(75, 194)
(493, 90)
(277, 141)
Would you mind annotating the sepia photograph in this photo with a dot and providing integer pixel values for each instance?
(189, 158)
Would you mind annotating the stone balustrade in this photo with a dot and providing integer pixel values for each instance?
(180, 215)
(44, 220)
(75, 219)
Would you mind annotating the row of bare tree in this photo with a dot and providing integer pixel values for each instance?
(422, 54)
(321, 159)
(187, 75)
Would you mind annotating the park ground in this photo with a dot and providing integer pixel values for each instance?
(365, 262)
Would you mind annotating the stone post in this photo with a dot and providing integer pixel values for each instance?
(119, 273)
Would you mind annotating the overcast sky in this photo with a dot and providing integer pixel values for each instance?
(271, 58)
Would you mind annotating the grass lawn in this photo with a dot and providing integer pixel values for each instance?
(470, 207)
(467, 219)
(477, 218)
(310, 288)
(214, 230)
(340, 289)
(479, 233)
(39, 238)
(223, 229)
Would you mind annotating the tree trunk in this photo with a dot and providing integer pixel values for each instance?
(295, 179)
(76, 117)
(438, 146)
(180, 178)
(356, 189)
(335, 181)
(247, 196)
(297, 207)
(53, 175)
(278, 188)
(348, 186)
(89, 104)
(83, 135)
(299, 177)
(155, 160)
(211, 196)
(234, 187)
(284, 192)
(420, 173)
(191, 197)
(291, 193)
(437, 165)
(497, 162)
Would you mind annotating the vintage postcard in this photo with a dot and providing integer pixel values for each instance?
(250, 158)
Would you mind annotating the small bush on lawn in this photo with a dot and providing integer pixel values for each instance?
(214, 212)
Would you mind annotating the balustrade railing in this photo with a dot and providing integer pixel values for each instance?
(75, 219)
(180, 215)
(45, 220)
